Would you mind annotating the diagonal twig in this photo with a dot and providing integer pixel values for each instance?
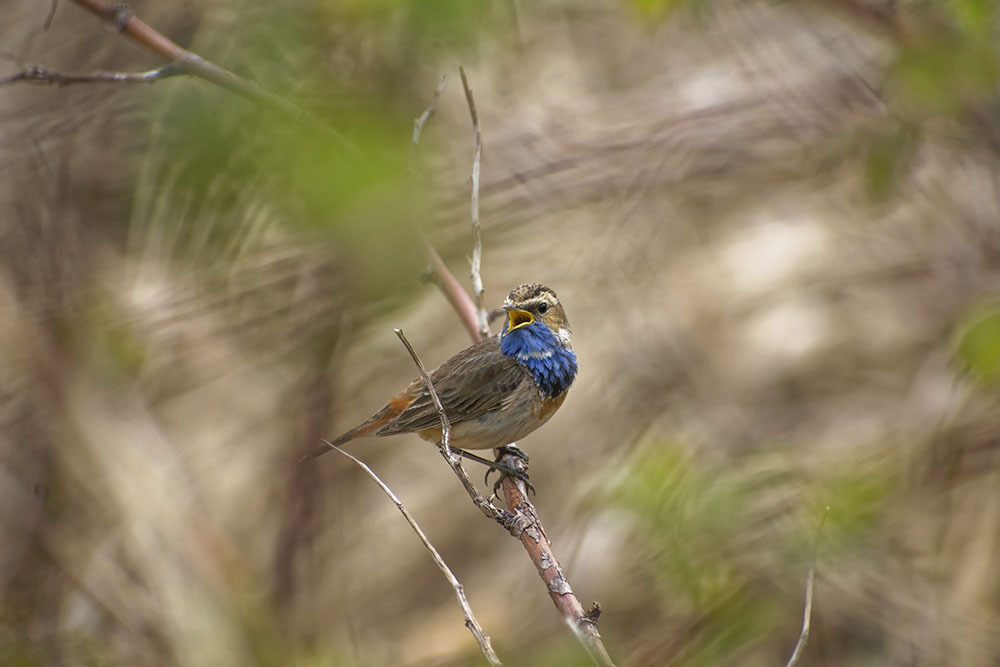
(470, 619)
(445, 424)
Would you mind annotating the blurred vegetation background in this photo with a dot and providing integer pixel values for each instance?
(775, 227)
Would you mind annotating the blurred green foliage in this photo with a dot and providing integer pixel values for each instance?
(428, 28)
(947, 73)
(887, 155)
(221, 157)
(856, 499)
(946, 67)
(710, 536)
(565, 652)
(654, 10)
(977, 343)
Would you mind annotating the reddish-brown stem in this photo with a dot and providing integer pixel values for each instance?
(452, 289)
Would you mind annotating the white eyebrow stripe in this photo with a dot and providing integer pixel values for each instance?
(546, 298)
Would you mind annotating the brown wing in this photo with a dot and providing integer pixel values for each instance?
(474, 382)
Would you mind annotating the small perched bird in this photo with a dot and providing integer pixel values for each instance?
(495, 392)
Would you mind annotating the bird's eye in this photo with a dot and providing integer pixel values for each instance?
(543, 308)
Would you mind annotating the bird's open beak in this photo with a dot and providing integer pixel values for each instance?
(517, 318)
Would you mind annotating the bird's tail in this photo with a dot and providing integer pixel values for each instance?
(388, 412)
(366, 429)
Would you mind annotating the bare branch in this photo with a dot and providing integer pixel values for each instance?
(43, 75)
(191, 63)
(505, 519)
(807, 612)
(421, 120)
(477, 238)
(470, 618)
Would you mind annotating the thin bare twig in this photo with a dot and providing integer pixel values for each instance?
(807, 612)
(477, 237)
(505, 519)
(421, 120)
(445, 424)
(124, 21)
(470, 618)
(459, 300)
(44, 75)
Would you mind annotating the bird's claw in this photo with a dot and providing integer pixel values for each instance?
(516, 474)
(509, 471)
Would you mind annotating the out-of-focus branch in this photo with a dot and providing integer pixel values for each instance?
(478, 290)
(453, 292)
(470, 619)
(191, 63)
(44, 75)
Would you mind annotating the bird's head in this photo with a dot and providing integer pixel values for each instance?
(528, 304)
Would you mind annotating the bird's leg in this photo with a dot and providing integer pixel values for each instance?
(504, 470)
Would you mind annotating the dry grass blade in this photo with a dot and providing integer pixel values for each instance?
(807, 611)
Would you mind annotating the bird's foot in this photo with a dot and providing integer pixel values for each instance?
(503, 469)
(510, 471)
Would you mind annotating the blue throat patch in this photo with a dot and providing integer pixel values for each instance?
(536, 347)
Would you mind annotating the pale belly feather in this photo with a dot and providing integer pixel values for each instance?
(520, 416)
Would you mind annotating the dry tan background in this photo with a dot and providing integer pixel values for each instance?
(769, 223)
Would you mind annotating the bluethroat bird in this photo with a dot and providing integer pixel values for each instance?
(495, 392)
